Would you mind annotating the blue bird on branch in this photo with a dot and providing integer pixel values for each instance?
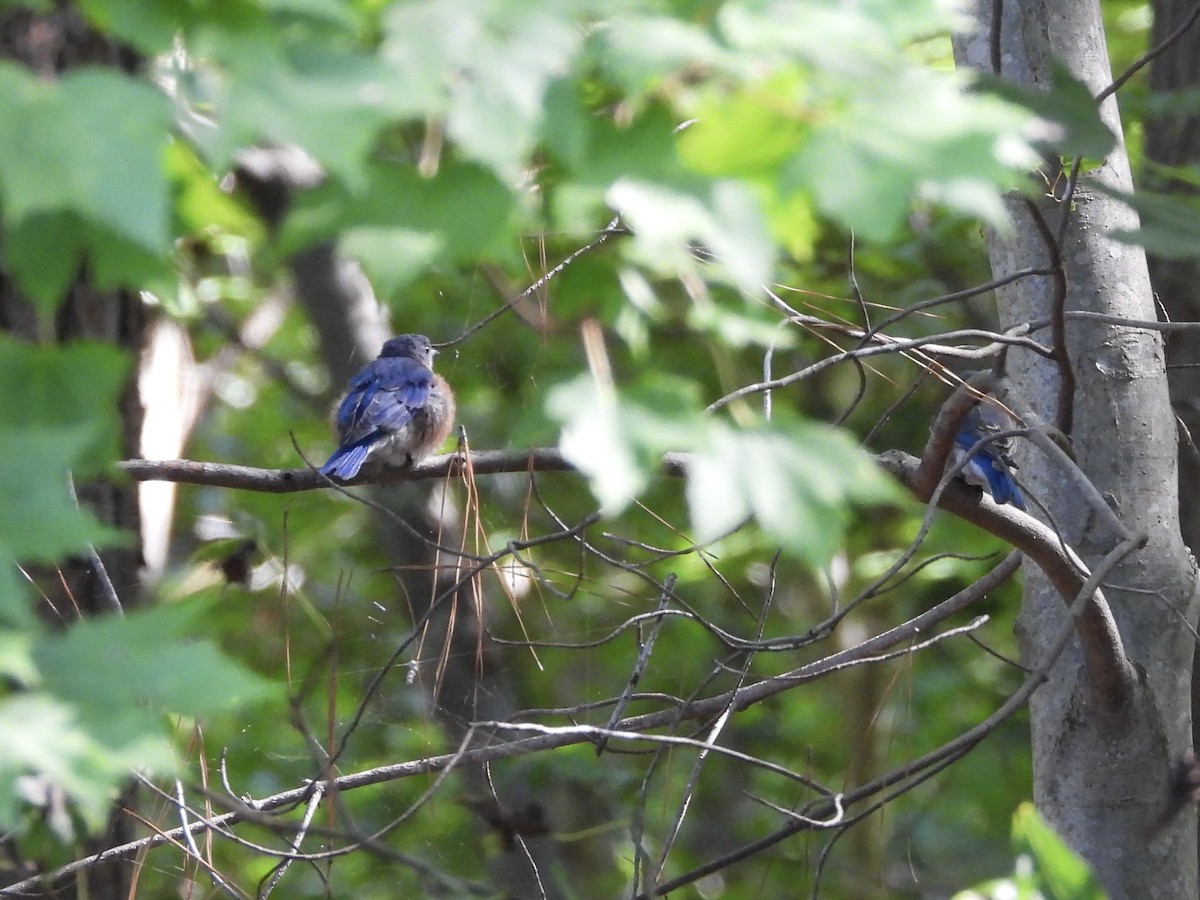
(990, 465)
(396, 411)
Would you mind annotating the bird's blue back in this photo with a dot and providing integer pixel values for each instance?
(383, 397)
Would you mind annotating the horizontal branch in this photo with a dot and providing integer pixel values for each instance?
(286, 481)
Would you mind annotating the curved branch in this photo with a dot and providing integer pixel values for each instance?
(1112, 674)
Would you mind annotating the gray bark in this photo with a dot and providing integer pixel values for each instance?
(1101, 770)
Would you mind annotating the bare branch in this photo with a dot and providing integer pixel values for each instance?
(286, 481)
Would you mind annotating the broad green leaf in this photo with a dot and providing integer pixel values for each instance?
(401, 223)
(33, 477)
(91, 144)
(738, 323)
(16, 659)
(73, 387)
(200, 204)
(846, 40)
(618, 441)
(44, 253)
(643, 150)
(1070, 120)
(800, 481)
(329, 99)
(121, 673)
(915, 134)
(39, 519)
(725, 220)
(43, 745)
(640, 50)
(103, 689)
(148, 25)
(60, 417)
(597, 443)
(745, 133)
(484, 67)
(1169, 224)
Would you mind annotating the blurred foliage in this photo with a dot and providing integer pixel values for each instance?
(468, 146)
(1046, 869)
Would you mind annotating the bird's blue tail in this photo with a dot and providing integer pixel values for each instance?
(347, 460)
(1003, 487)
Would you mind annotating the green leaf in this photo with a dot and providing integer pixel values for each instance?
(618, 442)
(402, 223)
(1169, 224)
(33, 476)
(60, 417)
(41, 742)
(1070, 120)
(640, 50)
(738, 323)
(121, 673)
(103, 688)
(1062, 873)
(915, 134)
(799, 481)
(43, 252)
(200, 204)
(309, 91)
(81, 177)
(485, 67)
(91, 143)
(74, 387)
(745, 133)
(726, 219)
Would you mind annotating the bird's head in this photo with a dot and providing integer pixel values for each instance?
(410, 346)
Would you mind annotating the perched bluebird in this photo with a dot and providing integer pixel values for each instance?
(396, 409)
(991, 465)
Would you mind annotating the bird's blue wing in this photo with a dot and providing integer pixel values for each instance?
(383, 397)
(380, 401)
(401, 388)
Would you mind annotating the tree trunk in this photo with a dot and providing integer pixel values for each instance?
(1100, 773)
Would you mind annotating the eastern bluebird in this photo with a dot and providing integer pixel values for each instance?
(396, 409)
(991, 465)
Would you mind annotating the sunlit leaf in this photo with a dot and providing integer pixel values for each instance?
(726, 220)
(800, 482)
(1070, 120)
(484, 67)
(1061, 871)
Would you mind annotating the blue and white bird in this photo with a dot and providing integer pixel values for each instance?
(991, 465)
(397, 410)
